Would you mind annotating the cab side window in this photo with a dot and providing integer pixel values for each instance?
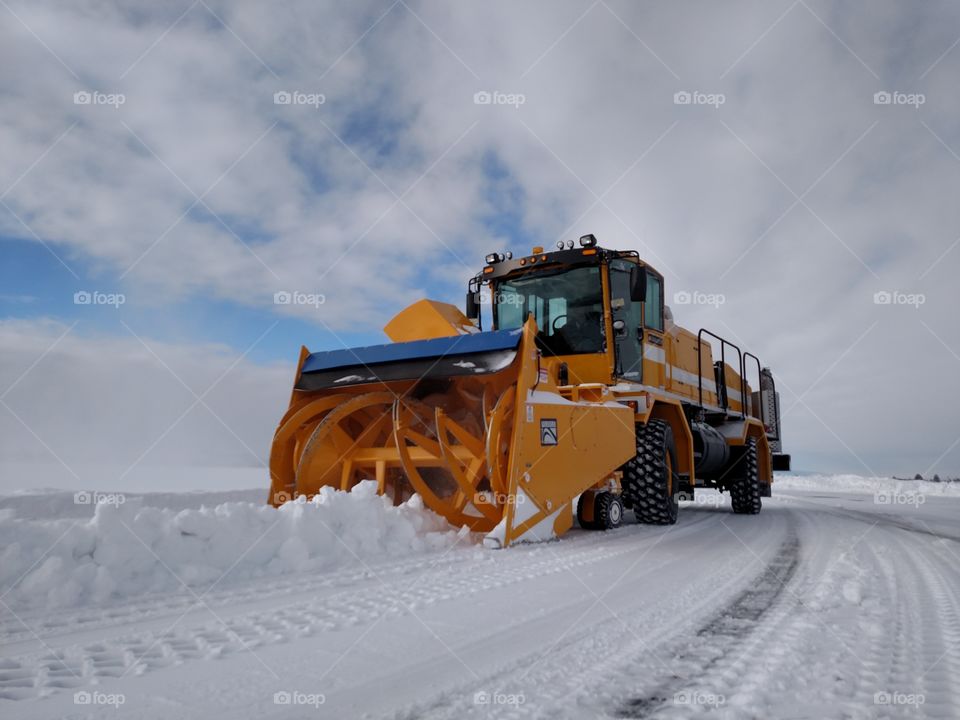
(653, 307)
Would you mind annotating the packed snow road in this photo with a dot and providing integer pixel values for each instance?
(826, 605)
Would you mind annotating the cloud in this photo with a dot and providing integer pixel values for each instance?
(79, 399)
(797, 198)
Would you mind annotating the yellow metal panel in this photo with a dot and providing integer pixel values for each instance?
(589, 368)
(428, 319)
(592, 441)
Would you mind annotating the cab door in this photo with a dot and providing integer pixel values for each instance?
(654, 352)
(627, 324)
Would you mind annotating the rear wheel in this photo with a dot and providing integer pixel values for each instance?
(745, 485)
(649, 483)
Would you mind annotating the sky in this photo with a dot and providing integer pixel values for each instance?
(171, 170)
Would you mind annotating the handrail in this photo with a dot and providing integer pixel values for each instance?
(723, 361)
(742, 358)
(743, 381)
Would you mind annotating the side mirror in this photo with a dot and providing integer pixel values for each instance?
(473, 306)
(638, 284)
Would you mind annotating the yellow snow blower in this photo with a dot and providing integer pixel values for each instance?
(584, 392)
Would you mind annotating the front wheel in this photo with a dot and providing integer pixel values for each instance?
(608, 511)
(649, 483)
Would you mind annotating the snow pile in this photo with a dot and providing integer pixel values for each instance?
(861, 484)
(129, 549)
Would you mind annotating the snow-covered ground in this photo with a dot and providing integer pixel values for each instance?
(840, 600)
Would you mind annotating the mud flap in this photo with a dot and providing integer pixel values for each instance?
(781, 462)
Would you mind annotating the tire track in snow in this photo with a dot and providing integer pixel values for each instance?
(73, 666)
(877, 519)
(51, 623)
(936, 658)
(827, 640)
(719, 637)
(878, 624)
(594, 651)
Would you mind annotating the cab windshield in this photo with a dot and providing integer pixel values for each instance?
(567, 305)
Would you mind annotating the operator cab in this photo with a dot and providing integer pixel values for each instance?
(591, 305)
(567, 305)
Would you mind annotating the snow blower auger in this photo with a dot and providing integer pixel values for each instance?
(584, 392)
(439, 417)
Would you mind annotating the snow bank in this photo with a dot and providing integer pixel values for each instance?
(861, 484)
(128, 549)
